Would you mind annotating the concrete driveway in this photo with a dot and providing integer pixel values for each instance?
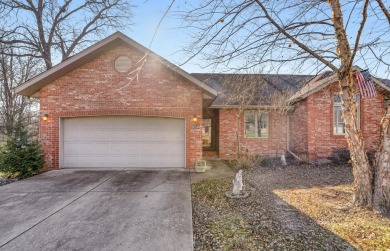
(97, 210)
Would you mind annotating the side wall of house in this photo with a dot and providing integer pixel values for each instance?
(321, 140)
(97, 89)
(298, 129)
(231, 128)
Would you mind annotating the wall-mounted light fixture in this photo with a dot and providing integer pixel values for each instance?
(45, 117)
(195, 118)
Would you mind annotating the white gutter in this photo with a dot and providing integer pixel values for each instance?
(288, 140)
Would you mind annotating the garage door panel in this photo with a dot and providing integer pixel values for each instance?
(85, 161)
(118, 135)
(82, 124)
(72, 161)
(101, 135)
(118, 160)
(73, 135)
(177, 147)
(162, 148)
(71, 148)
(132, 148)
(146, 148)
(85, 148)
(147, 135)
(118, 148)
(167, 161)
(123, 141)
(86, 135)
(130, 134)
(119, 124)
(131, 160)
(101, 148)
(102, 161)
(164, 137)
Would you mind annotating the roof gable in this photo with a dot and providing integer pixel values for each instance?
(34, 85)
(321, 81)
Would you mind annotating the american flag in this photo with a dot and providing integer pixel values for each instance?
(366, 86)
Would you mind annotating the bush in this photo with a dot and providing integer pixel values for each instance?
(247, 160)
(266, 161)
(340, 155)
(244, 160)
(22, 156)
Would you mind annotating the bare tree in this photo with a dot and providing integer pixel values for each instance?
(382, 172)
(280, 106)
(238, 93)
(48, 32)
(54, 30)
(13, 72)
(306, 36)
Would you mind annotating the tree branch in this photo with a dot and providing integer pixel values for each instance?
(301, 45)
(384, 10)
(359, 32)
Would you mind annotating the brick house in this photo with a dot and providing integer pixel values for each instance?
(313, 127)
(117, 104)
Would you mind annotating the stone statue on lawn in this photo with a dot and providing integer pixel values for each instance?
(237, 183)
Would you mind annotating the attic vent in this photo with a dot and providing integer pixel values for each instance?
(123, 64)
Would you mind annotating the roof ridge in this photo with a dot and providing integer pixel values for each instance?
(34, 85)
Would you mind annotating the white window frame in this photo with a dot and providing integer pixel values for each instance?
(338, 104)
(256, 113)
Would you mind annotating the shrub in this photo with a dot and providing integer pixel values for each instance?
(266, 161)
(340, 155)
(245, 160)
(22, 156)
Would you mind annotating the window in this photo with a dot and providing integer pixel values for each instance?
(256, 124)
(338, 121)
(206, 133)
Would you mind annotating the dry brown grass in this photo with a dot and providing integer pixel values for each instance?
(328, 206)
(296, 208)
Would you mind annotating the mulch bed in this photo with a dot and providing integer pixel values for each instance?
(298, 207)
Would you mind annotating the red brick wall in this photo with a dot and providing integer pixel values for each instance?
(298, 128)
(96, 88)
(321, 140)
(265, 146)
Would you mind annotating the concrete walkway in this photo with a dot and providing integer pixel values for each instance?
(97, 210)
(217, 169)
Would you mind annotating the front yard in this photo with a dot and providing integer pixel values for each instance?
(299, 207)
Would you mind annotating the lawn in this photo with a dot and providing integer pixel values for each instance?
(299, 207)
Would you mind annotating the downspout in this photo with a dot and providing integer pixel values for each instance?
(288, 140)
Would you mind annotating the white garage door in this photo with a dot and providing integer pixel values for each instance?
(123, 141)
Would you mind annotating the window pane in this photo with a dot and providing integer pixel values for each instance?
(250, 131)
(337, 99)
(206, 133)
(356, 98)
(262, 122)
(338, 121)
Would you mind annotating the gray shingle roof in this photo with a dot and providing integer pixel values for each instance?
(265, 85)
(385, 81)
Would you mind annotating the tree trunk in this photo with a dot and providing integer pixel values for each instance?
(382, 172)
(361, 168)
